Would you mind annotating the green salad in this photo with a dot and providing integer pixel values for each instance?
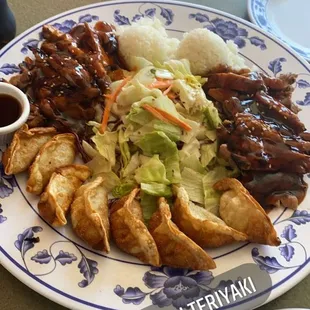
(161, 131)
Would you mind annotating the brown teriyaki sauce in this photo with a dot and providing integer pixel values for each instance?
(10, 110)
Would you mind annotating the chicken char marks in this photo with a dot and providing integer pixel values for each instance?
(262, 134)
(68, 76)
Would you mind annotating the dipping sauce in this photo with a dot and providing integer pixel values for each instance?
(10, 110)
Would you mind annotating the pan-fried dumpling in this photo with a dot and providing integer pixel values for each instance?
(90, 215)
(24, 147)
(202, 226)
(129, 231)
(242, 212)
(56, 153)
(175, 248)
(59, 193)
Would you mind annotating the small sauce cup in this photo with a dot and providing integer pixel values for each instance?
(7, 132)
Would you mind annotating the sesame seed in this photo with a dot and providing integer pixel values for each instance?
(253, 128)
(285, 117)
(269, 166)
(62, 63)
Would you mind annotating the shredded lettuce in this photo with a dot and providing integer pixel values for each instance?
(159, 143)
(89, 150)
(164, 103)
(124, 148)
(99, 164)
(140, 121)
(192, 97)
(192, 182)
(138, 115)
(123, 189)
(94, 124)
(164, 74)
(211, 135)
(214, 175)
(133, 164)
(208, 154)
(191, 148)
(146, 145)
(212, 118)
(193, 163)
(106, 144)
(135, 91)
(187, 136)
(155, 99)
(211, 196)
(212, 200)
(173, 167)
(173, 132)
(152, 171)
(156, 143)
(157, 189)
(110, 180)
(148, 204)
(181, 70)
(144, 159)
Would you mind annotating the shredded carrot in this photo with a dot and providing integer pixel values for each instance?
(120, 87)
(154, 112)
(174, 119)
(110, 99)
(161, 84)
(167, 90)
(171, 95)
(166, 117)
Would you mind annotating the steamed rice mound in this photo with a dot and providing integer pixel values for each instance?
(206, 51)
(148, 39)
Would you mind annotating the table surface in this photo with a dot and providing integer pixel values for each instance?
(14, 294)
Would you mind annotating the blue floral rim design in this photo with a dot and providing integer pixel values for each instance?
(13, 261)
(258, 14)
(4, 50)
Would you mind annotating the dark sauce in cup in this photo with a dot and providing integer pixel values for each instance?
(10, 110)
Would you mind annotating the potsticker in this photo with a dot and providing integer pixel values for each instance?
(90, 215)
(59, 193)
(129, 231)
(202, 226)
(24, 147)
(242, 212)
(175, 248)
(56, 153)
